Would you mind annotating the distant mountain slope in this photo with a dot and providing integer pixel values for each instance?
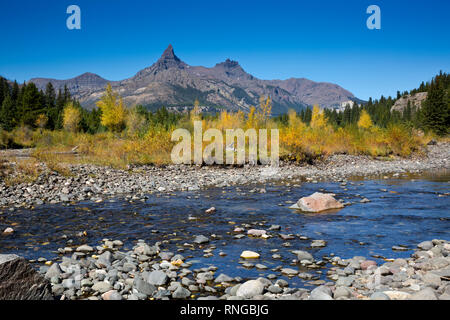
(171, 82)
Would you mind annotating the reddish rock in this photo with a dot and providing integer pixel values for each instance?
(367, 263)
(111, 295)
(318, 202)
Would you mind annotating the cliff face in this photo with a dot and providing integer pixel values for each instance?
(415, 101)
(171, 82)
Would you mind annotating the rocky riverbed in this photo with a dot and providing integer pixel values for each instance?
(149, 272)
(89, 182)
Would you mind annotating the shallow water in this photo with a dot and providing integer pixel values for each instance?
(410, 211)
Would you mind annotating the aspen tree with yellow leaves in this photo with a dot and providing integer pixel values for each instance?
(265, 110)
(113, 109)
(318, 118)
(71, 118)
(365, 122)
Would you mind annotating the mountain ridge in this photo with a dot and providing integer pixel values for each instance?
(171, 82)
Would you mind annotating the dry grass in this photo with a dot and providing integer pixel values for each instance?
(24, 171)
(298, 141)
(104, 149)
(301, 142)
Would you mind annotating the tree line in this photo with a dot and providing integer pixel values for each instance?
(25, 105)
(434, 115)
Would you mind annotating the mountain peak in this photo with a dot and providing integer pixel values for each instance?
(89, 75)
(169, 53)
(228, 64)
(169, 60)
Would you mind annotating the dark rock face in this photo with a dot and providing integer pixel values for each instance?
(19, 281)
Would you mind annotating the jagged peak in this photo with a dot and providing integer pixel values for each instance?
(169, 53)
(168, 59)
(228, 64)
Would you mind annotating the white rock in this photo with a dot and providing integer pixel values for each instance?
(250, 289)
(249, 255)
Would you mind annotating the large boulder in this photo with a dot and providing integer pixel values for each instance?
(318, 202)
(20, 281)
(250, 289)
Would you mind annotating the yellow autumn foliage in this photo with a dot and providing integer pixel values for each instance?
(71, 118)
(318, 118)
(365, 121)
(113, 109)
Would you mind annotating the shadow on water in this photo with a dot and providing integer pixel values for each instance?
(402, 211)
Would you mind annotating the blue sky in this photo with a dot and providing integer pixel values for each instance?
(319, 40)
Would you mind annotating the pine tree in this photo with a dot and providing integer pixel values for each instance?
(308, 115)
(31, 104)
(7, 114)
(407, 113)
(436, 109)
(59, 107)
(50, 106)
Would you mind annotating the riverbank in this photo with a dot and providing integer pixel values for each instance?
(149, 272)
(89, 182)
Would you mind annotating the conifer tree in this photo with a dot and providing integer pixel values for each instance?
(436, 109)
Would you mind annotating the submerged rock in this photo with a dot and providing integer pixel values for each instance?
(318, 202)
(8, 230)
(256, 233)
(210, 210)
(201, 239)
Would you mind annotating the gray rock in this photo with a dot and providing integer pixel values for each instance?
(105, 259)
(201, 239)
(424, 294)
(166, 255)
(144, 287)
(250, 289)
(157, 278)
(275, 289)
(289, 272)
(303, 255)
(264, 281)
(205, 276)
(234, 289)
(223, 278)
(432, 280)
(342, 292)
(345, 281)
(181, 293)
(68, 283)
(101, 287)
(85, 249)
(53, 271)
(379, 296)
(425, 245)
(321, 293)
(318, 243)
(282, 283)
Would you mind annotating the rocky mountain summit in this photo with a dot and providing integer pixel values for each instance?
(171, 82)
